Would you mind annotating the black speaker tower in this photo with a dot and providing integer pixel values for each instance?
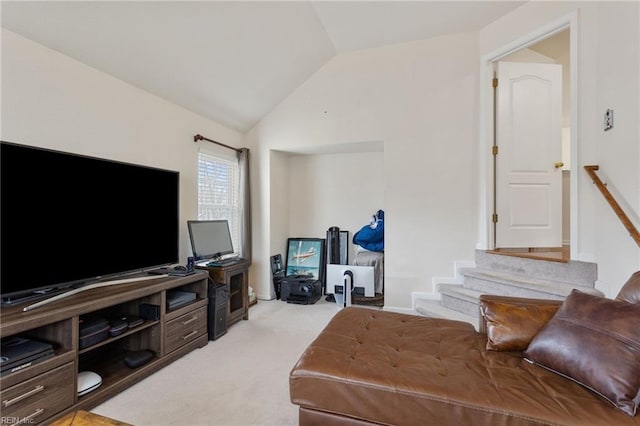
(333, 245)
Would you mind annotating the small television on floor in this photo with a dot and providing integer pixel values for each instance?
(363, 278)
(70, 219)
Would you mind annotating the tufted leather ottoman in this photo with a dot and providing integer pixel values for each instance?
(379, 367)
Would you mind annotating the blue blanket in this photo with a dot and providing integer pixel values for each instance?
(371, 236)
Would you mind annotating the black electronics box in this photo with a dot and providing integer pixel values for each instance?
(132, 320)
(149, 311)
(124, 322)
(93, 330)
(135, 359)
(178, 298)
(217, 310)
(302, 291)
(21, 352)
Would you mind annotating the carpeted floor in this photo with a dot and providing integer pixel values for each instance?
(242, 378)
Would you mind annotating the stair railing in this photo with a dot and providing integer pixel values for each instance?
(591, 171)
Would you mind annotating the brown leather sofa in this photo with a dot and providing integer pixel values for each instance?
(379, 367)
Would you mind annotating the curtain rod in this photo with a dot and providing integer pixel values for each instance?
(199, 137)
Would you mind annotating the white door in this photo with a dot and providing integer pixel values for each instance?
(528, 168)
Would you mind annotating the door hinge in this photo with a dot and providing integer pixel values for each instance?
(494, 150)
(494, 82)
(495, 218)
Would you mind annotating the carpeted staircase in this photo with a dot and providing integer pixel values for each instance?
(508, 276)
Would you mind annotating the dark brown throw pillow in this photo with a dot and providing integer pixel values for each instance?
(513, 321)
(630, 291)
(595, 342)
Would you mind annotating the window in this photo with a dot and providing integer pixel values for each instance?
(219, 192)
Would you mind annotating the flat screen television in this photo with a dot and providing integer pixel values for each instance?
(69, 219)
(210, 239)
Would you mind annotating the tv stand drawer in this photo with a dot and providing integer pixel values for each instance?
(185, 328)
(36, 399)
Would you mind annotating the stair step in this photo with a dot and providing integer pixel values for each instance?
(495, 282)
(459, 291)
(583, 274)
(508, 276)
(459, 298)
(433, 308)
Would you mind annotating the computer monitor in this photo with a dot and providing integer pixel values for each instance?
(362, 281)
(210, 239)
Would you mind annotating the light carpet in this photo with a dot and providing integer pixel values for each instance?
(242, 378)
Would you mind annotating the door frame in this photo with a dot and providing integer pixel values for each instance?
(486, 127)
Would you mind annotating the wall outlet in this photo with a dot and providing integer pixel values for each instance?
(608, 120)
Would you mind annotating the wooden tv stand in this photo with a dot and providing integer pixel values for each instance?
(47, 390)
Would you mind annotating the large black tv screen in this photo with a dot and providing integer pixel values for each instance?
(68, 219)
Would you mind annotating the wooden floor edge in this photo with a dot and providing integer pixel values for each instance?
(532, 255)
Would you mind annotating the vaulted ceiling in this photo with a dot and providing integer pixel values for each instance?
(232, 61)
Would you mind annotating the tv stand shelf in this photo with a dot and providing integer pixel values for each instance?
(129, 332)
(47, 390)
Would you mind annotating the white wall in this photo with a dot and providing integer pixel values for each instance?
(420, 99)
(312, 192)
(528, 55)
(608, 72)
(279, 217)
(50, 100)
(617, 150)
(342, 190)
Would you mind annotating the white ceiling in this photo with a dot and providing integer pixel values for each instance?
(232, 61)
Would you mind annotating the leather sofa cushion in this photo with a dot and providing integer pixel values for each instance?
(390, 368)
(511, 322)
(596, 342)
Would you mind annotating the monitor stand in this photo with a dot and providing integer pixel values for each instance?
(342, 293)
